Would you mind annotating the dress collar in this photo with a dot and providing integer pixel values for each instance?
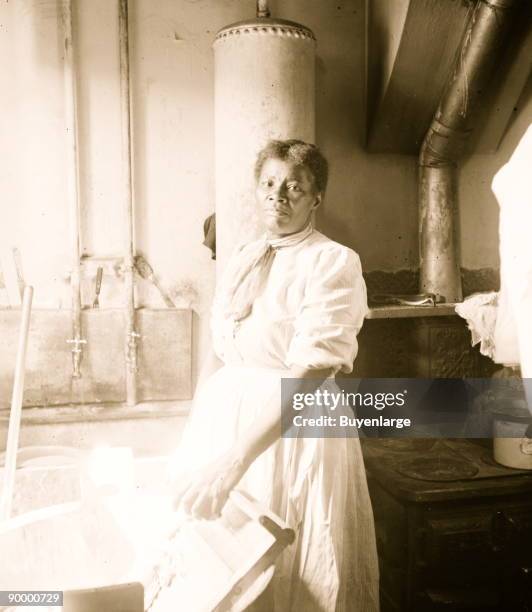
(291, 239)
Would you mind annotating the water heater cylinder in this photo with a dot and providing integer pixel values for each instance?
(264, 89)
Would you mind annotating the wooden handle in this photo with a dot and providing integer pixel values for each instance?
(166, 298)
(15, 414)
(99, 275)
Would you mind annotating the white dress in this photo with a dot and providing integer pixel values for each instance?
(308, 314)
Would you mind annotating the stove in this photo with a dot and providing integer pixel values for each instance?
(453, 527)
(424, 469)
(437, 468)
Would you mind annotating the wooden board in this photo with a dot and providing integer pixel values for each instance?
(221, 565)
(402, 106)
(411, 50)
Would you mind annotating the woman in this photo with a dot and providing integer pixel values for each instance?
(288, 305)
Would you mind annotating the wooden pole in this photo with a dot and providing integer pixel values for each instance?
(15, 414)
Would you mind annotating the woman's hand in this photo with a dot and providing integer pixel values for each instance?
(205, 494)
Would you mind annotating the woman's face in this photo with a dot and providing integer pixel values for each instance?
(286, 195)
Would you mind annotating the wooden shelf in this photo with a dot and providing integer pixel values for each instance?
(409, 312)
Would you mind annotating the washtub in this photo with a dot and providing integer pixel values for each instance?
(77, 527)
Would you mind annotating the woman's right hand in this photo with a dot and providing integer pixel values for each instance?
(204, 494)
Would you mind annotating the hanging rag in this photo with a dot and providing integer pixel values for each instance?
(248, 270)
(209, 234)
(480, 312)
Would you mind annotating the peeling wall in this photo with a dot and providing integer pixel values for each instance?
(370, 205)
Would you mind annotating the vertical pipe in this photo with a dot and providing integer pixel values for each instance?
(15, 414)
(262, 8)
(439, 261)
(444, 144)
(72, 186)
(129, 271)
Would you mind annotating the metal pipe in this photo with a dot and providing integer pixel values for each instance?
(77, 341)
(132, 336)
(262, 8)
(444, 144)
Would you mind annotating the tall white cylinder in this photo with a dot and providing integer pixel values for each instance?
(264, 89)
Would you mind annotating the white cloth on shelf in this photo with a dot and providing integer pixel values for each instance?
(309, 312)
(480, 312)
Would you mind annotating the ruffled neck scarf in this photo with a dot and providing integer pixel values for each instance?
(249, 271)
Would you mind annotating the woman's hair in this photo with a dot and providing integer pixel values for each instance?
(297, 152)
